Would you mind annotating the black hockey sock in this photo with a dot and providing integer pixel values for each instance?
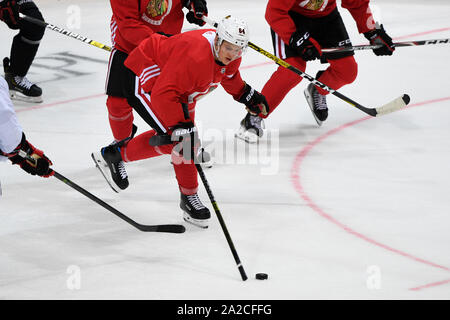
(26, 43)
(23, 52)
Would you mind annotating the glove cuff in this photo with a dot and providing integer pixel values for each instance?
(316, 45)
(374, 32)
(369, 35)
(23, 145)
(242, 98)
(187, 4)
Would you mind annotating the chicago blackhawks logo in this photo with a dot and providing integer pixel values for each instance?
(156, 11)
(157, 8)
(314, 4)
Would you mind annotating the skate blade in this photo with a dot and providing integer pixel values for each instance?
(198, 223)
(17, 96)
(247, 136)
(102, 167)
(310, 104)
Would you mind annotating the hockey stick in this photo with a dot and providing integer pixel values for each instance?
(166, 139)
(222, 222)
(396, 44)
(216, 207)
(65, 32)
(392, 106)
(170, 228)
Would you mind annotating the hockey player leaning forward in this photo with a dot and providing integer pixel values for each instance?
(163, 73)
(299, 30)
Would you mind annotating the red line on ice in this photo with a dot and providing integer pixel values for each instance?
(430, 285)
(296, 180)
(48, 105)
(422, 33)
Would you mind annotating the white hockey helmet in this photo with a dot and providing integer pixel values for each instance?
(233, 30)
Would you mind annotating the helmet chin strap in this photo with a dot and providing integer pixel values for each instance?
(216, 48)
(216, 51)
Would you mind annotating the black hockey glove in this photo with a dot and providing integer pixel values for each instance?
(197, 9)
(185, 138)
(30, 159)
(255, 102)
(305, 46)
(9, 13)
(380, 37)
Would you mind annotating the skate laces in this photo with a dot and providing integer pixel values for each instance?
(122, 171)
(320, 101)
(256, 122)
(119, 164)
(23, 82)
(194, 200)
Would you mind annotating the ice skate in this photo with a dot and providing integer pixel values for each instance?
(20, 88)
(110, 163)
(194, 211)
(252, 128)
(317, 103)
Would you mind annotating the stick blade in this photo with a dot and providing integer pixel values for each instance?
(169, 228)
(394, 105)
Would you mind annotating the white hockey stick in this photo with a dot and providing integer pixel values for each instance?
(396, 44)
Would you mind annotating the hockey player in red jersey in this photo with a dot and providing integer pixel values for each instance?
(163, 80)
(132, 22)
(300, 28)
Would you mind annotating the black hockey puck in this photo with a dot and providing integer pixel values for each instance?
(261, 276)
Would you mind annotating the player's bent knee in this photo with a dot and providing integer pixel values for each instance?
(30, 30)
(347, 68)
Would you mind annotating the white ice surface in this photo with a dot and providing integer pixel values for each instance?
(365, 215)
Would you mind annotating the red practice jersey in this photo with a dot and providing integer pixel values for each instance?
(181, 69)
(279, 20)
(135, 20)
